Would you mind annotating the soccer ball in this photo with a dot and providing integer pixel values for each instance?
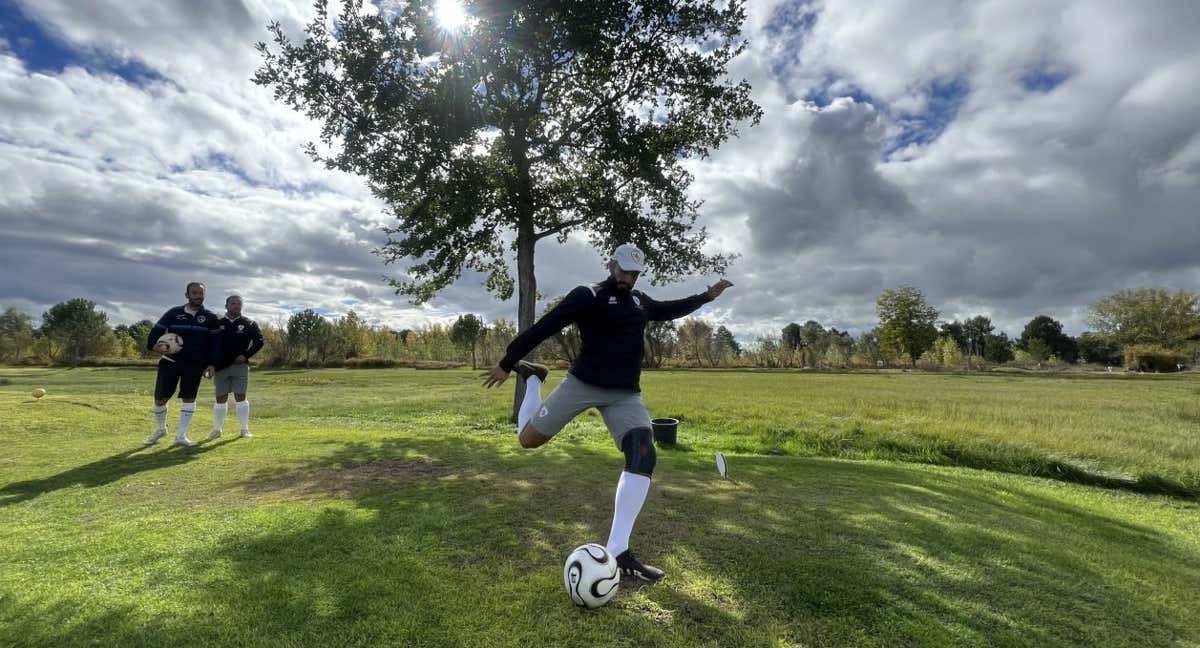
(39, 392)
(173, 341)
(591, 576)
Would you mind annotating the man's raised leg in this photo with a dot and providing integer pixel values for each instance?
(534, 375)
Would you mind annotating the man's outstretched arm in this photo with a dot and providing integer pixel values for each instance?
(657, 311)
(557, 319)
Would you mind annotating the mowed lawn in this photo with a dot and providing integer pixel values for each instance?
(393, 507)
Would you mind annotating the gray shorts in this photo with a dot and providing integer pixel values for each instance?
(234, 378)
(622, 409)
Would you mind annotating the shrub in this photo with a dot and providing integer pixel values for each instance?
(1151, 357)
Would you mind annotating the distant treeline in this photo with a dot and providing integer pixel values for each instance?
(1147, 329)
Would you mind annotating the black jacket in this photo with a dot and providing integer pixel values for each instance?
(240, 337)
(611, 324)
(201, 335)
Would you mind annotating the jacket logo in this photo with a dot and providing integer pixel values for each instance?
(637, 302)
(200, 318)
(241, 327)
(612, 300)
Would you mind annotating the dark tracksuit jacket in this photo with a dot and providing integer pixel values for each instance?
(201, 335)
(612, 324)
(239, 337)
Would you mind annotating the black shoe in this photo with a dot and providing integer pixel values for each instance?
(630, 566)
(527, 369)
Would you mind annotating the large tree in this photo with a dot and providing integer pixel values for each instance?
(660, 342)
(906, 322)
(1147, 316)
(355, 333)
(792, 336)
(997, 348)
(1043, 336)
(77, 328)
(16, 335)
(725, 343)
(532, 120)
(695, 339)
(956, 331)
(813, 338)
(975, 331)
(1098, 348)
(867, 345)
(306, 329)
(466, 332)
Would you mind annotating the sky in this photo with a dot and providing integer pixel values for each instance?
(1010, 158)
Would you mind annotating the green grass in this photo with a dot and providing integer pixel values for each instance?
(394, 508)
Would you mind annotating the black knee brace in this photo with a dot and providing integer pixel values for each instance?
(638, 446)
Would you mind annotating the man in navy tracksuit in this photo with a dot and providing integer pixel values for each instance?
(200, 329)
(611, 317)
(240, 340)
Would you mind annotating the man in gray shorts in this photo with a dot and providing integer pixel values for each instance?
(611, 317)
(240, 340)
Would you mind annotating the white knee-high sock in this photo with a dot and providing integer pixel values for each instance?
(531, 404)
(631, 493)
(243, 414)
(160, 415)
(185, 419)
(219, 411)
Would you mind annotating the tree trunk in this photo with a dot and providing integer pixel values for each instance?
(526, 295)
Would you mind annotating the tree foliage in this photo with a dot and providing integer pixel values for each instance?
(305, 330)
(696, 340)
(466, 332)
(77, 329)
(660, 342)
(1043, 337)
(997, 348)
(906, 322)
(535, 120)
(792, 337)
(1151, 316)
(16, 335)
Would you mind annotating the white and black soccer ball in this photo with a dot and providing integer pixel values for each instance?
(591, 576)
(173, 341)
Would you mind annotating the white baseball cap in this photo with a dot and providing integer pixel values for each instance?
(630, 258)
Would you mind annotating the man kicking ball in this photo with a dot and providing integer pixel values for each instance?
(200, 329)
(611, 317)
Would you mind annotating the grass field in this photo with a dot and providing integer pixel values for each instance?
(393, 507)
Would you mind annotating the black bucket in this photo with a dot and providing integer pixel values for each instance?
(664, 430)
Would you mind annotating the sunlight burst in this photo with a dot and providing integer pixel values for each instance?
(450, 14)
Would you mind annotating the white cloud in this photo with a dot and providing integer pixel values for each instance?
(1063, 165)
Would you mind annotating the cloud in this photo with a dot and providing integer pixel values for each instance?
(1009, 158)
(1033, 157)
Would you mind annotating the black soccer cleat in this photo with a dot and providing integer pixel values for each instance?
(527, 369)
(631, 566)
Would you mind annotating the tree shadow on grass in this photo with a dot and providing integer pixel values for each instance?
(104, 471)
(447, 541)
(888, 555)
(835, 553)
